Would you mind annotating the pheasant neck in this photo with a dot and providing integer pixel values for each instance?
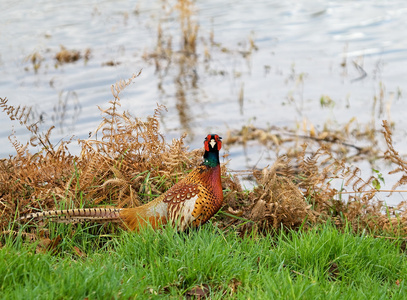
(215, 181)
(211, 159)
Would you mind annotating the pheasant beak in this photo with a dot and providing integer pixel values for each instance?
(212, 143)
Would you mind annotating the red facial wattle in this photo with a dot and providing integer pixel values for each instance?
(215, 138)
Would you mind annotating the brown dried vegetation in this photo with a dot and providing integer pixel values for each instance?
(65, 55)
(130, 158)
(291, 193)
(126, 161)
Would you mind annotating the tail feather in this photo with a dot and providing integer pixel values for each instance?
(77, 215)
(65, 220)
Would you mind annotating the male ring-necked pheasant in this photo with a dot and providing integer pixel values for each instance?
(189, 203)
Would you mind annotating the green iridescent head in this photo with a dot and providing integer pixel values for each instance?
(212, 144)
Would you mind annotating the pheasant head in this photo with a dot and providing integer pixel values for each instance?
(212, 146)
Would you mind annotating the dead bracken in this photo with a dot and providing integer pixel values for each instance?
(126, 162)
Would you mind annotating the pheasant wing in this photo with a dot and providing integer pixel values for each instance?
(183, 201)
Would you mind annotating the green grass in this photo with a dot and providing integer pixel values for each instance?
(318, 264)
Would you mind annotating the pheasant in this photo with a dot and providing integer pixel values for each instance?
(188, 204)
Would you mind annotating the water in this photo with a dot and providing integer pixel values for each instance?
(299, 55)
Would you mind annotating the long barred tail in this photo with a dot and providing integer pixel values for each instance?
(77, 215)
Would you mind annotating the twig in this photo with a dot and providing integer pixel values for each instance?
(379, 191)
(325, 140)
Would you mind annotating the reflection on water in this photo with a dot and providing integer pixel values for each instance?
(68, 103)
(216, 65)
(184, 60)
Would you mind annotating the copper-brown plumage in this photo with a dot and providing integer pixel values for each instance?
(189, 203)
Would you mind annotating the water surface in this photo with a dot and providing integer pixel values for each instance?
(268, 64)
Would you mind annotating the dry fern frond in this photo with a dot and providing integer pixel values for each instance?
(276, 201)
(19, 113)
(392, 155)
